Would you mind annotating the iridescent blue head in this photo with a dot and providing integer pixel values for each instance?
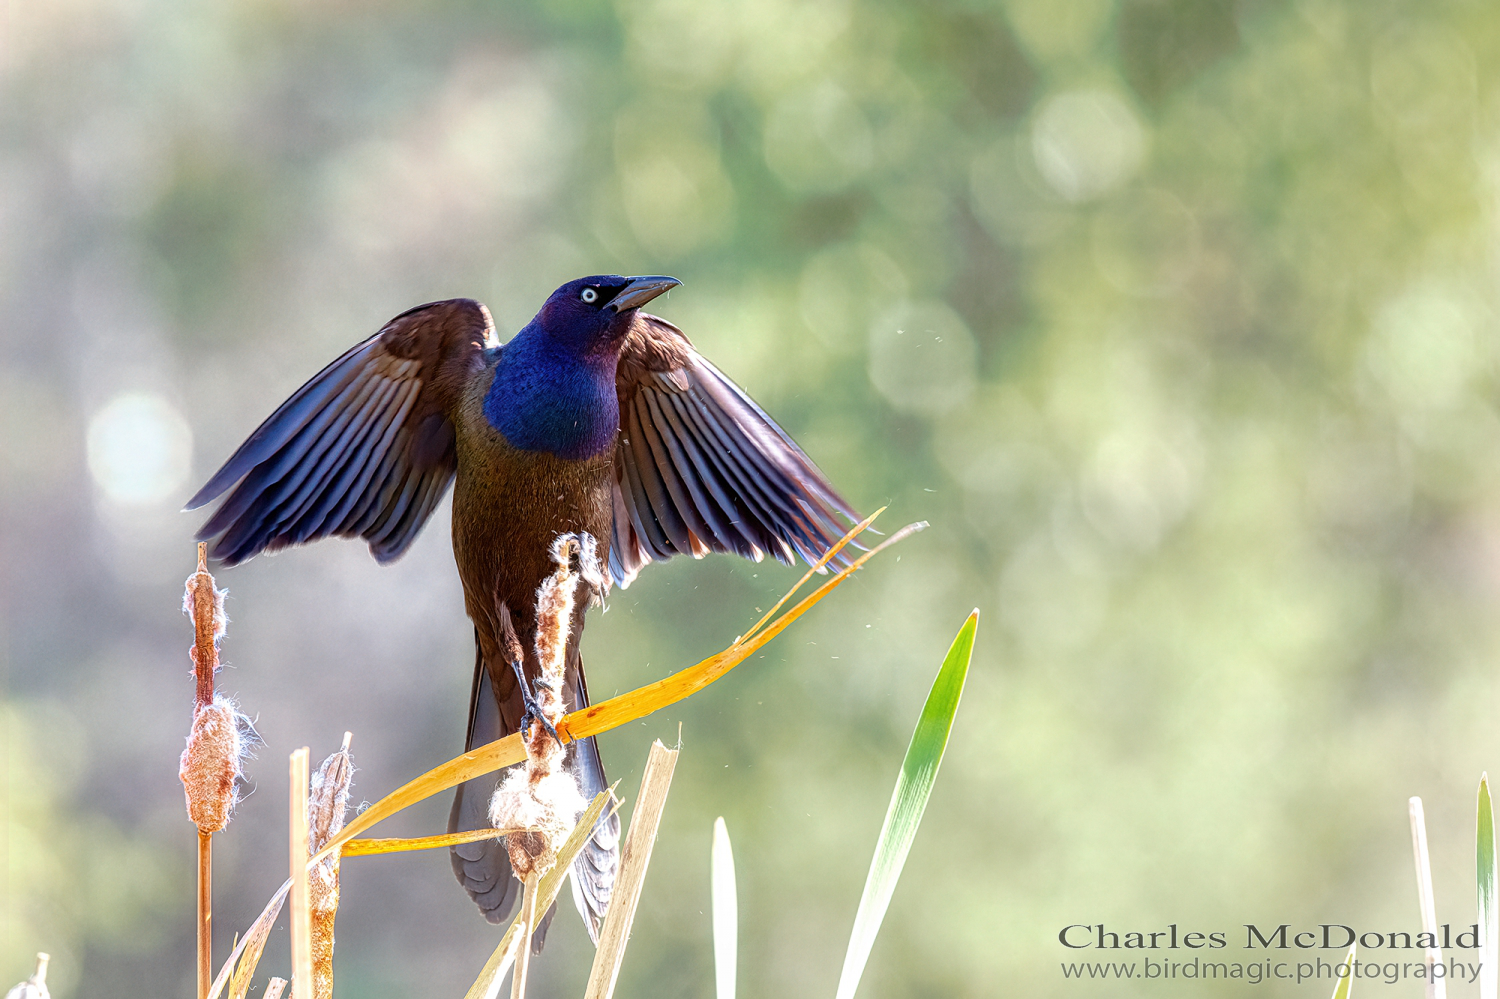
(554, 387)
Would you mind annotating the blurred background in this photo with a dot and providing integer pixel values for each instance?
(1176, 318)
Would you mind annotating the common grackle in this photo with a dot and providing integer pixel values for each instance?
(595, 417)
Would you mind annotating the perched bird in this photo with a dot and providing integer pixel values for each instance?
(595, 417)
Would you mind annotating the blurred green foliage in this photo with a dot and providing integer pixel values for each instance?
(1176, 318)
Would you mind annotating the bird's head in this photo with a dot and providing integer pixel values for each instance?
(593, 314)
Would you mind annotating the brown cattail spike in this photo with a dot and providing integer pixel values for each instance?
(204, 603)
(326, 806)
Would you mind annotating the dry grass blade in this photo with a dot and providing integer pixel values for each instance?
(605, 715)
(816, 567)
(635, 857)
(371, 847)
(275, 987)
(302, 964)
(246, 954)
(486, 986)
(638, 703)
(523, 956)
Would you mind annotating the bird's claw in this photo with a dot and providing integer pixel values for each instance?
(531, 710)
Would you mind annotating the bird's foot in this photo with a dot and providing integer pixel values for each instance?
(532, 710)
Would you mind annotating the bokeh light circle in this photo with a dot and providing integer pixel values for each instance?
(139, 449)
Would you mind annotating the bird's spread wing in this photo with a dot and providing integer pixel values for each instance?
(366, 448)
(699, 467)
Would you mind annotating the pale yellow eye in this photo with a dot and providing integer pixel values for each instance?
(590, 295)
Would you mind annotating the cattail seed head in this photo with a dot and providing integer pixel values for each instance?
(542, 797)
(329, 798)
(554, 605)
(203, 602)
(546, 805)
(212, 764)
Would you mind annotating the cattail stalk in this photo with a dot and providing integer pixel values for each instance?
(205, 912)
(210, 766)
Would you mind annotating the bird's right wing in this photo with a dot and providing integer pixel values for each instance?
(365, 448)
(699, 467)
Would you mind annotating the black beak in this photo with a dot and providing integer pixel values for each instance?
(640, 290)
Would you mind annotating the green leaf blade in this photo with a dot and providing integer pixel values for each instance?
(1341, 990)
(1484, 869)
(908, 801)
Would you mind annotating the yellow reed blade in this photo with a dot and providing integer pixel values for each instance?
(608, 714)
(371, 847)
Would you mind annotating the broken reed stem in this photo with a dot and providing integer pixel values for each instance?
(34, 987)
(239, 967)
(317, 813)
(302, 985)
(205, 912)
(635, 856)
(328, 801)
(275, 987)
(523, 958)
(614, 712)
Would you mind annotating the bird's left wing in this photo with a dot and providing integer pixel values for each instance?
(699, 467)
(366, 448)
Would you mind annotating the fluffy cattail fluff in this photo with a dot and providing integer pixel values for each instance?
(213, 762)
(326, 805)
(543, 798)
(34, 987)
